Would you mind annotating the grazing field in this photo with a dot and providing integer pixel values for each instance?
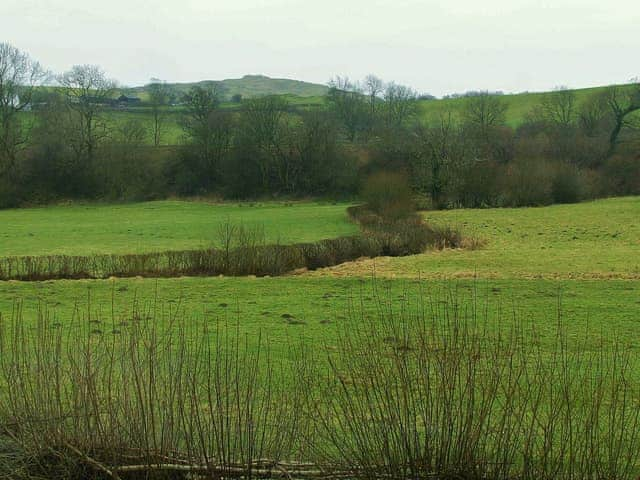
(585, 254)
(162, 225)
(288, 309)
(539, 327)
(591, 240)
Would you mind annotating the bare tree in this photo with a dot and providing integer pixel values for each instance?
(440, 150)
(559, 107)
(87, 91)
(349, 105)
(485, 111)
(400, 104)
(19, 75)
(373, 87)
(201, 102)
(158, 98)
(208, 131)
(265, 126)
(593, 115)
(622, 102)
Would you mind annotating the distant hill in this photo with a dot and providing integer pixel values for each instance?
(248, 86)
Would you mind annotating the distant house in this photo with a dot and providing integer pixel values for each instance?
(128, 101)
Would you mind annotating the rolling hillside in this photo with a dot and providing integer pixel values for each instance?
(248, 86)
(518, 105)
(303, 95)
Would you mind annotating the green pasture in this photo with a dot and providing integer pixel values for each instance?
(583, 258)
(591, 240)
(286, 310)
(163, 225)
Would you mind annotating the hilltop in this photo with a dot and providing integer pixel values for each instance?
(248, 86)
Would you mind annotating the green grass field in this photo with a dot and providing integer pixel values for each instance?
(546, 275)
(289, 309)
(591, 240)
(586, 255)
(161, 225)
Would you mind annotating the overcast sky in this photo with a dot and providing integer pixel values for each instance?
(436, 47)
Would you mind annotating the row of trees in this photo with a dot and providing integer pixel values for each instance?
(565, 150)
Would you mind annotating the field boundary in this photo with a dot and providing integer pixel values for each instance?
(244, 253)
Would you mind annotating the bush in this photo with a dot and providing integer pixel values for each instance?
(422, 391)
(567, 185)
(622, 173)
(527, 183)
(476, 185)
(389, 195)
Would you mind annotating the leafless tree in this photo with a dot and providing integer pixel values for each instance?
(265, 125)
(559, 107)
(593, 115)
(19, 75)
(87, 90)
(208, 130)
(201, 102)
(373, 87)
(622, 101)
(400, 104)
(349, 104)
(485, 111)
(158, 98)
(440, 151)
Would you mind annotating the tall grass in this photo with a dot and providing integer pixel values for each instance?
(137, 399)
(435, 389)
(443, 393)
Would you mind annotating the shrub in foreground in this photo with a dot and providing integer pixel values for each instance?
(430, 390)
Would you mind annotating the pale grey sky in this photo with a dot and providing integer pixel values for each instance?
(434, 46)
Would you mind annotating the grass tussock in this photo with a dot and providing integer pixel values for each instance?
(432, 390)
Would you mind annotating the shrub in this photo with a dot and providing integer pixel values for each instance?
(622, 173)
(567, 185)
(445, 390)
(388, 195)
(437, 394)
(527, 183)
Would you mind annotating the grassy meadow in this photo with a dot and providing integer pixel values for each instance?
(519, 105)
(161, 225)
(550, 291)
(585, 255)
(590, 240)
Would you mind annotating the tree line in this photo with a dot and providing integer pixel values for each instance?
(563, 151)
